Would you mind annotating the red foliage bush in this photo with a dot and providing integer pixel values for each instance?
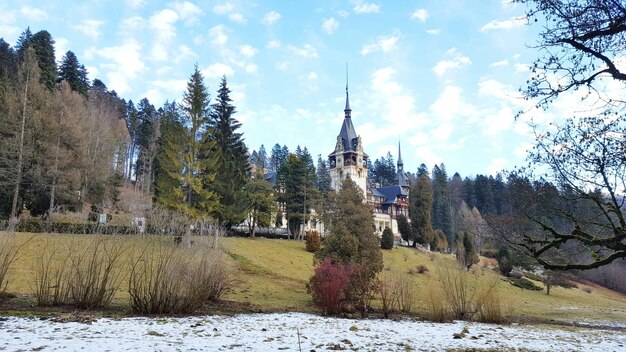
(329, 284)
(312, 239)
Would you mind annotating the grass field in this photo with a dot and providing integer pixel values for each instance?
(272, 275)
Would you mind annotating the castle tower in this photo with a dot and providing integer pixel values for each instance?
(401, 179)
(348, 159)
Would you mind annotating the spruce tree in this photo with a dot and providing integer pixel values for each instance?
(170, 158)
(323, 174)
(74, 73)
(352, 240)
(201, 158)
(234, 169)
(441, 215)
(43, 44)
(420, 206)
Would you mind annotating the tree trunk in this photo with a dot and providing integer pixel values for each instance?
(55, 169)
(20, 155)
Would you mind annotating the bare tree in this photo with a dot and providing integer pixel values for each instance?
(579, 46)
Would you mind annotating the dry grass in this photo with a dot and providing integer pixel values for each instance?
(272, 274)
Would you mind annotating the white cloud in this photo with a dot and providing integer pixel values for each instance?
(364, 7)
(497, 165)
(61, 46)
(251, 68)
(307, 51)
(343, 13)
(513, 22)
(237, 18)
(223, 8)
(450, 104)
(420, 15)
(454, 60)
(132, 23)
(135, 3)
(522, 150)
(499, 121)
(217, 70)
(273, 44)
(164, 24)
(124, 64)
(309, 80)
(282, 66)
(500, 63)
(33, 13)
(433, 31)
(183, 53)
(218, 36)
(330, 25)
(522, 68)
(271, 17)
(90, 28)
(383, 43)
(247, 50)
(187, 11)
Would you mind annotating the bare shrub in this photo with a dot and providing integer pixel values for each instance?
(50, 277)
(94, 271)
(436, 305)
(459, 293)
(313, 241)
(170, 279)
(489, 305)
(9, 250)
(587, 289)
(404, 290)
(388, 295)
(163, 221)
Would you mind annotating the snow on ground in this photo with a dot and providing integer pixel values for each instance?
(275, 332)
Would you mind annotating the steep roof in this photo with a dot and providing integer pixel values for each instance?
(391, 192)
(348, 134)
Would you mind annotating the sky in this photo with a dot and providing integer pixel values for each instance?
(440, 77)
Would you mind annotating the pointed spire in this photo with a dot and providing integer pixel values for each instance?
(400, 162)
(347, 110)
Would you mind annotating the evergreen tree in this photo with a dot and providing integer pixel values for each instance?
(422, 170)
(386, 242)
(297, 179)
(405, 229)
(147, 136)
(260, 198)
(8, 61)
(420, 206)
(43, 44)
(323, 174)
(23, 42)
(484, 195)
(277, 156)
(466, 254)
(201, 157)
(132, 125)
(441, 215)
(74, 73)
(233, 170)
(262, 160)
(352, 240)
(169, 164)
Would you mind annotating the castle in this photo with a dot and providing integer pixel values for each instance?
(348, 160)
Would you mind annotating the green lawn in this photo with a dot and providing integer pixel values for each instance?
(272, 275)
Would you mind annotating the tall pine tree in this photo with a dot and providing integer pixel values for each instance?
(234, 168)
(74, 73)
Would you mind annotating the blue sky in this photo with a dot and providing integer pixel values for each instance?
(440, 76)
